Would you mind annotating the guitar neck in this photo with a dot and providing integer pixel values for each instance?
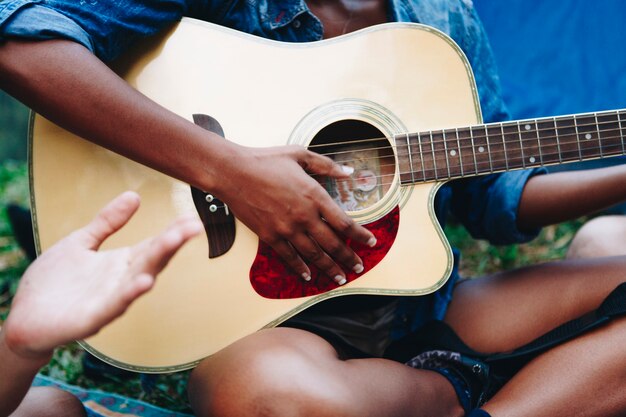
(495, 147)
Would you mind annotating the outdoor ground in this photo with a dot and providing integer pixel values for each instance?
(168, 391)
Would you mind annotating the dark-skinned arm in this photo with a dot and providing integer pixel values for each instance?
(65, 83)
(561, 196)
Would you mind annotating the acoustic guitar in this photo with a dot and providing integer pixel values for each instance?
(395, 104)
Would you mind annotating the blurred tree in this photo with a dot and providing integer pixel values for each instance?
(13, 128)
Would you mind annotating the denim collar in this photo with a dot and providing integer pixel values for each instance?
(279, 13)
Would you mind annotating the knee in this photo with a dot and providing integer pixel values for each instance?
(274, 372)
(602, 236)
(50, 402)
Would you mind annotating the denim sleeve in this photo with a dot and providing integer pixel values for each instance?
(107, 28)
(488, 205)
(28, 19)
(467, 30)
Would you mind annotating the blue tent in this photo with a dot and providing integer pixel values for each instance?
(558, 57)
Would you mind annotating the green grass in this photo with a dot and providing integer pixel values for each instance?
(13, 189)
(480, 258)
(169, 391)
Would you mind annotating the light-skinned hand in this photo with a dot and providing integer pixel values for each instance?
(72, 290)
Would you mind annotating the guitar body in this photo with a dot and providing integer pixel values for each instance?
(393, 78)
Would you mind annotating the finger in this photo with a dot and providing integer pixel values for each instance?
(339, 221)
(336, 248)
(289, 255)
(109, 220)
(330, 211)
(315, 163)
(134, 288)
(152, 256)
(312, 252)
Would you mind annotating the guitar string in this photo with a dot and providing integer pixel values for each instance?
(444, 153)
(616, 125)
(473, 167)
(480, 134)
(517, 124)
(588, 144)
(431, 174)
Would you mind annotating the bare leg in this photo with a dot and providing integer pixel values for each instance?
(49, 402)
(290, 372)
(602, 236)
(586, 376)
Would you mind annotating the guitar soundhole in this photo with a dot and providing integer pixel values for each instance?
(362, 150)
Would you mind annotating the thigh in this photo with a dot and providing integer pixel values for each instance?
(602, 236)
(293, 372)
(507, 310)
(49, 402)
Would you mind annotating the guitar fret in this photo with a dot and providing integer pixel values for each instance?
(405, 165)
(489, 150)
(473, 150)
(452, 154)
(530, 143)
(430, 151)
(405, 159)
(458, 143)
(432, 148)
(510, 145)
(521, 144)
(569, 138)
(546, 131)
(588, 138)
(595, 116)
(498, 148)
(539, 143)
(483, 157)
(558, 142)
(445, 151)
(610, 134)
(621, 129)
(511, 136)
(580, 154)
(505, 153)
(408, 144)
(419, 144)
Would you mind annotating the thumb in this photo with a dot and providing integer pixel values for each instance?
(109, 220)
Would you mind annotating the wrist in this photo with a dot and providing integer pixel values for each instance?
(217, 175)
(11, 349)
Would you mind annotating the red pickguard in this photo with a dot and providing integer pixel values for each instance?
(270, 278)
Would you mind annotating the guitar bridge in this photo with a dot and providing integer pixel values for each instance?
(219, 222)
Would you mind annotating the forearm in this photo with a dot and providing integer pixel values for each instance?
(269, 189)
(67, 84)
(16, 376)
(557, 197)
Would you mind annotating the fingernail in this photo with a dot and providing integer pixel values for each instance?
(340, 280)
(347, 169)
(306, 276)
(358, 268)
(372, 242)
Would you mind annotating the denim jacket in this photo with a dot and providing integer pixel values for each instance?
(487, 205)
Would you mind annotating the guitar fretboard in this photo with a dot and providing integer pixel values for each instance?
(460, 152)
